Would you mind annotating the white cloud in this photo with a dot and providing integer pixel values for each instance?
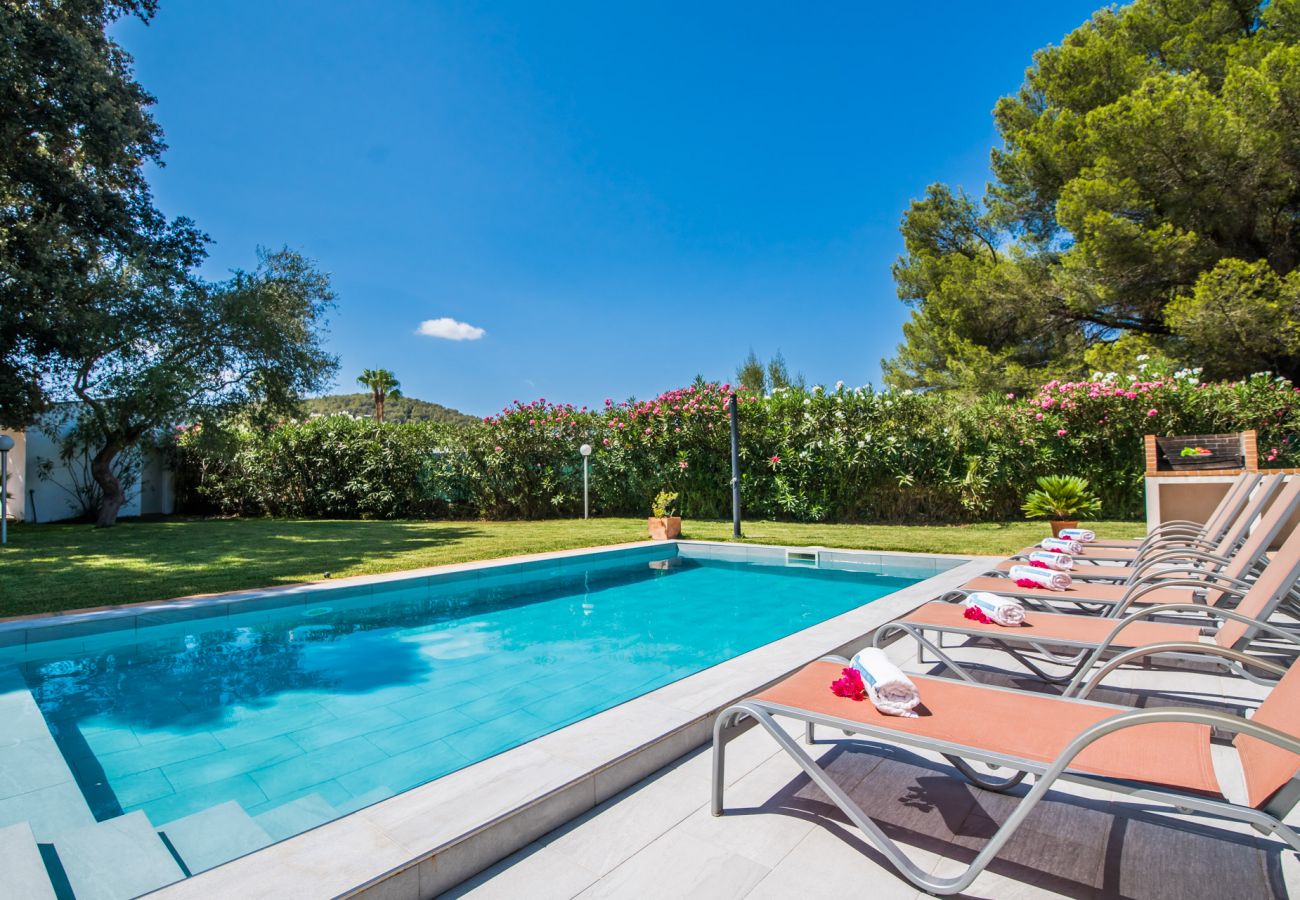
(449, 329)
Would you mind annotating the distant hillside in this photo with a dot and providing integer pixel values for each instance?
(396, 409)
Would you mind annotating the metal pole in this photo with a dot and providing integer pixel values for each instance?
(4, 497)
(735, 467)
(585, 450)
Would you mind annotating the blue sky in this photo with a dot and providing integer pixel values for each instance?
(620, 195)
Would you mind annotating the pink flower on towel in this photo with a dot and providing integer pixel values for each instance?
(1039, 565)
(850, 685)
(1055, 550)
(977, 614)
(1027, 583)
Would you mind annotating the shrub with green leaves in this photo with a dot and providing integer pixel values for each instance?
(664, 505)
(818, 454)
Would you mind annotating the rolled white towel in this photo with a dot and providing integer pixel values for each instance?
(1057, 581)
(1072, 547)
(1082, 535)
(1062, 562)
(888, 689)
(1002, 610)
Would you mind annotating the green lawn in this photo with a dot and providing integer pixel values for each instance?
(47, 568)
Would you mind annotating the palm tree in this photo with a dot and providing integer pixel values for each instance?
(383, 384)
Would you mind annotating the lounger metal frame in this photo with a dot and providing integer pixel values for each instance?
(1192, 569)
(1089, 655)
(1267, 820)
(1185, 548)
(1213, 528)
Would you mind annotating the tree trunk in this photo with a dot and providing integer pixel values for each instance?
(101, 469)
(379, 405)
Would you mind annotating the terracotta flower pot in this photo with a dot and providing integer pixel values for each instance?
(664, 528)
(1058, 524)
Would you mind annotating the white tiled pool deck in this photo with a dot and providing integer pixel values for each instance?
(782, 837)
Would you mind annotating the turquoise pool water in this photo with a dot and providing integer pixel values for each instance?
(292, 716)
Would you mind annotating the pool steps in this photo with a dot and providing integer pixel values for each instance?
(36, 785)
(116, 859)
(52, 847)
(24, 870)
(295, 816)
(213, 836)
(127, 856)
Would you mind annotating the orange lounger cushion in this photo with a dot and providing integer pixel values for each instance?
(1079, 572)
(1110, 553)
(1082, 591)
(1106, 552)
(1025, 726)
(1084, 630)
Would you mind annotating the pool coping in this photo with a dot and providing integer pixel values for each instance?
(191, 601)
(426, 840)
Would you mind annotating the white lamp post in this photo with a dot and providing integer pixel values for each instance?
(6, 444)
(585, 450)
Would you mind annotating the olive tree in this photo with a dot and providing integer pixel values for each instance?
(161, 353)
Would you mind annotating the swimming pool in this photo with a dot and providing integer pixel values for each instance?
(151, 746)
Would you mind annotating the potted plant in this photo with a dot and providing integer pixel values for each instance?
(1063, 499)
(663, 524)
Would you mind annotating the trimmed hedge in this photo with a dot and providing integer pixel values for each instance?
(842, 454)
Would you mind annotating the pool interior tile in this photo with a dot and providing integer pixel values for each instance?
(242, 789)
(315, 766)
(251, 724)
(493, 736)
(408, 735)
(192, 612)
(368, 721)
(152, 756)
(331, 792)
(403, 771)
(141, 788)
(227, 763)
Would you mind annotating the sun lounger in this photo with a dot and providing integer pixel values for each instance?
(1211, 529)
(1088, 640)
(1191, 570)
(1253, 505)
(1159, 756)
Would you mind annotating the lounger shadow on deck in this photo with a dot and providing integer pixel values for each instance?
(1070, 845)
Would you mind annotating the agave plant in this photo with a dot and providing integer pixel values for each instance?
(1061, 497)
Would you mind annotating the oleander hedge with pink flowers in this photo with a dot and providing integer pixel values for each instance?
(824, 454)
